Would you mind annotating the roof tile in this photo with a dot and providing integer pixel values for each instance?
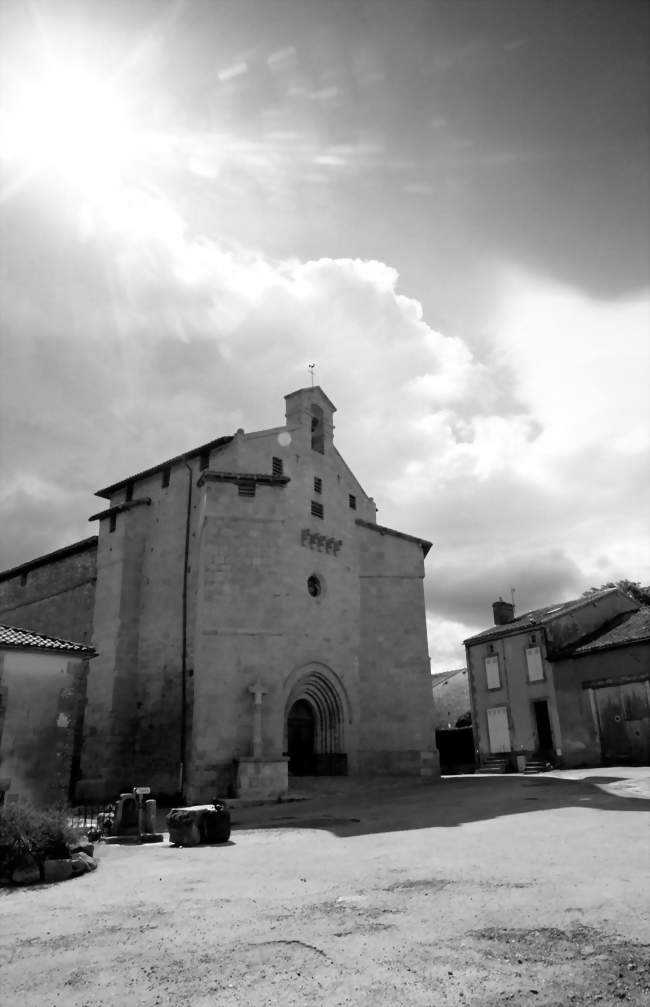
(632, 630)
(10, 636)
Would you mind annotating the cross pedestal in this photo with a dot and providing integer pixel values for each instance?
(261, 779)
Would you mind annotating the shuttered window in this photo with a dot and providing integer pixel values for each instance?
(492, 674)
(534, 664)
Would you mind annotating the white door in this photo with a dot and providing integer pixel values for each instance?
(498, 730)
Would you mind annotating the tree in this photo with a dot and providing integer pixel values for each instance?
(633, 588)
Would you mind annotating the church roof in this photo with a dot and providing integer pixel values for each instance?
(220, 442)
(19, 639)
(383, 530)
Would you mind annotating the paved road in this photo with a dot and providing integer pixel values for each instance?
(477, 891)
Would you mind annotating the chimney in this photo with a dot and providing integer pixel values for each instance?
(504, 611)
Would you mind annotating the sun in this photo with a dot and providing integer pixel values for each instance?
(65, 123)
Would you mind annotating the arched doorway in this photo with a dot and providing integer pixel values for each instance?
(315, 725)
(301, 731)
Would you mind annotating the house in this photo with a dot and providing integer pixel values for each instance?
(603, 695)
(450, 690)
(450, 704)
(42, 696)
(546, 684)
(250, 618)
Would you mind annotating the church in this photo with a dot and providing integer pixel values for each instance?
(250, 621)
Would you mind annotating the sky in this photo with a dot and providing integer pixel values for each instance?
(443, 205)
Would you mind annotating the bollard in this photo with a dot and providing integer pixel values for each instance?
(150, 815)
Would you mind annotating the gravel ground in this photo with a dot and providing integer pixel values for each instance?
(475, 891)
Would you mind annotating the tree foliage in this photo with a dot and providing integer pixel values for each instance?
(633, 588)
(36, 834)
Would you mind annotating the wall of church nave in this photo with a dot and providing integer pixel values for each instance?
(111, 718)
(134, 711)
(55, 597)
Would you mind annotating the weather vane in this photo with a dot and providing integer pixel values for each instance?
(311, 371)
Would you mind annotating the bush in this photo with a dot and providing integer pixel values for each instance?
(37, 834)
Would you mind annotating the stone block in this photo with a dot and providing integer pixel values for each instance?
(204, 823)
(263, 779)
(57, 870)
(82, 863)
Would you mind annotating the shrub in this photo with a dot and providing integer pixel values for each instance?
(38, 834)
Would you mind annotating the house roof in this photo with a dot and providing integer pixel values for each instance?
(220, 442)
(50, 557)
(634, 629)
(540, 616)
(23, 639)
(444, 676)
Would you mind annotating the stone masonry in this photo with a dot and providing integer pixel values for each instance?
(250, 617)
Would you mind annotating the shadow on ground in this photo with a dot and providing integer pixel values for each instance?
(359, 807)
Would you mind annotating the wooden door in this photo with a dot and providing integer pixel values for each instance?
(624, 717)
(498, 729)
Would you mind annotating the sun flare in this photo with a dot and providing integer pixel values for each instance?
(64, 122)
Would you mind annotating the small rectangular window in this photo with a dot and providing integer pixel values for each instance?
(129, 492)
(278, 467)
(318, 484)
(352, 501)
(317, 509)
(534, 664)
(246, 487)
(166, 476)
(492, 676)
(112, 522)
(23, 579)
(204, 460)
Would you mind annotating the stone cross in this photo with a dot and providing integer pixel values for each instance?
(257, 691)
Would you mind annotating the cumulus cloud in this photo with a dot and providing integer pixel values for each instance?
(130, 339)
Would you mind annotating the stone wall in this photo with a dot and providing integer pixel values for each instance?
(256, 618)
(42, 697)
(251, 618)
(450, 699)
(396, 733)
(53, 594)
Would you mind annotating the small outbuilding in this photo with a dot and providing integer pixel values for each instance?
(42, 698)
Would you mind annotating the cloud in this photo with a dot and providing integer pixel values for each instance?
(130, 339)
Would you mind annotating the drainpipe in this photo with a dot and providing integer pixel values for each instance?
(183, 744)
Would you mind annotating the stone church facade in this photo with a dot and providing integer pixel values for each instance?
(250, 619)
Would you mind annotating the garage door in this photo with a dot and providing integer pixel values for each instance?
(624, 718)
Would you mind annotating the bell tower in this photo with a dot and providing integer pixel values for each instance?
(310, 418)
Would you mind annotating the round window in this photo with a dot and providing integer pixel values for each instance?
(314, 586)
